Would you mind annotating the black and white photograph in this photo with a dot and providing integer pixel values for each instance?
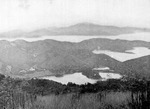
(74, 54)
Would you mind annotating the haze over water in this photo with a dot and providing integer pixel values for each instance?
(76, 38)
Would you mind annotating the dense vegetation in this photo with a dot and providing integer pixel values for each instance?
(127, 93)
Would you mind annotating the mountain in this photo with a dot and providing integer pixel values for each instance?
(12, 34)
(85, 29)
(95, 30)
(139, 67)
(49, 57)
(112, 45)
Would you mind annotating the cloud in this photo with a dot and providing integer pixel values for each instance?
(35, 14)
(24, 4)
(51, 1)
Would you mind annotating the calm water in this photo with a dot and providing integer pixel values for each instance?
(78, 78)
(135, 53)
(135, 36)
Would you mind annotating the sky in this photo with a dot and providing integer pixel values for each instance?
(28, 15)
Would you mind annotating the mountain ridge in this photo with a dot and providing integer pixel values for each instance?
(85, 29)
(49, 57)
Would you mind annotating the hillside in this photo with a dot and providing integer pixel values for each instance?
(49, 57)
(139, 67)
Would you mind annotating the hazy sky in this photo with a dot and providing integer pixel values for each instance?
(33, 14)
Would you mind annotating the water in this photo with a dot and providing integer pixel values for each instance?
(135, 36)
(102, 68)
(135, 53)
(79, 78)
(106, 76)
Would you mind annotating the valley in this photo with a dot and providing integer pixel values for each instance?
(23, 59)
(74, 54)
(108, 68)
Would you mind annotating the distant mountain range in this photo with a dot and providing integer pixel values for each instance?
(49, 57)
(85, 29)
